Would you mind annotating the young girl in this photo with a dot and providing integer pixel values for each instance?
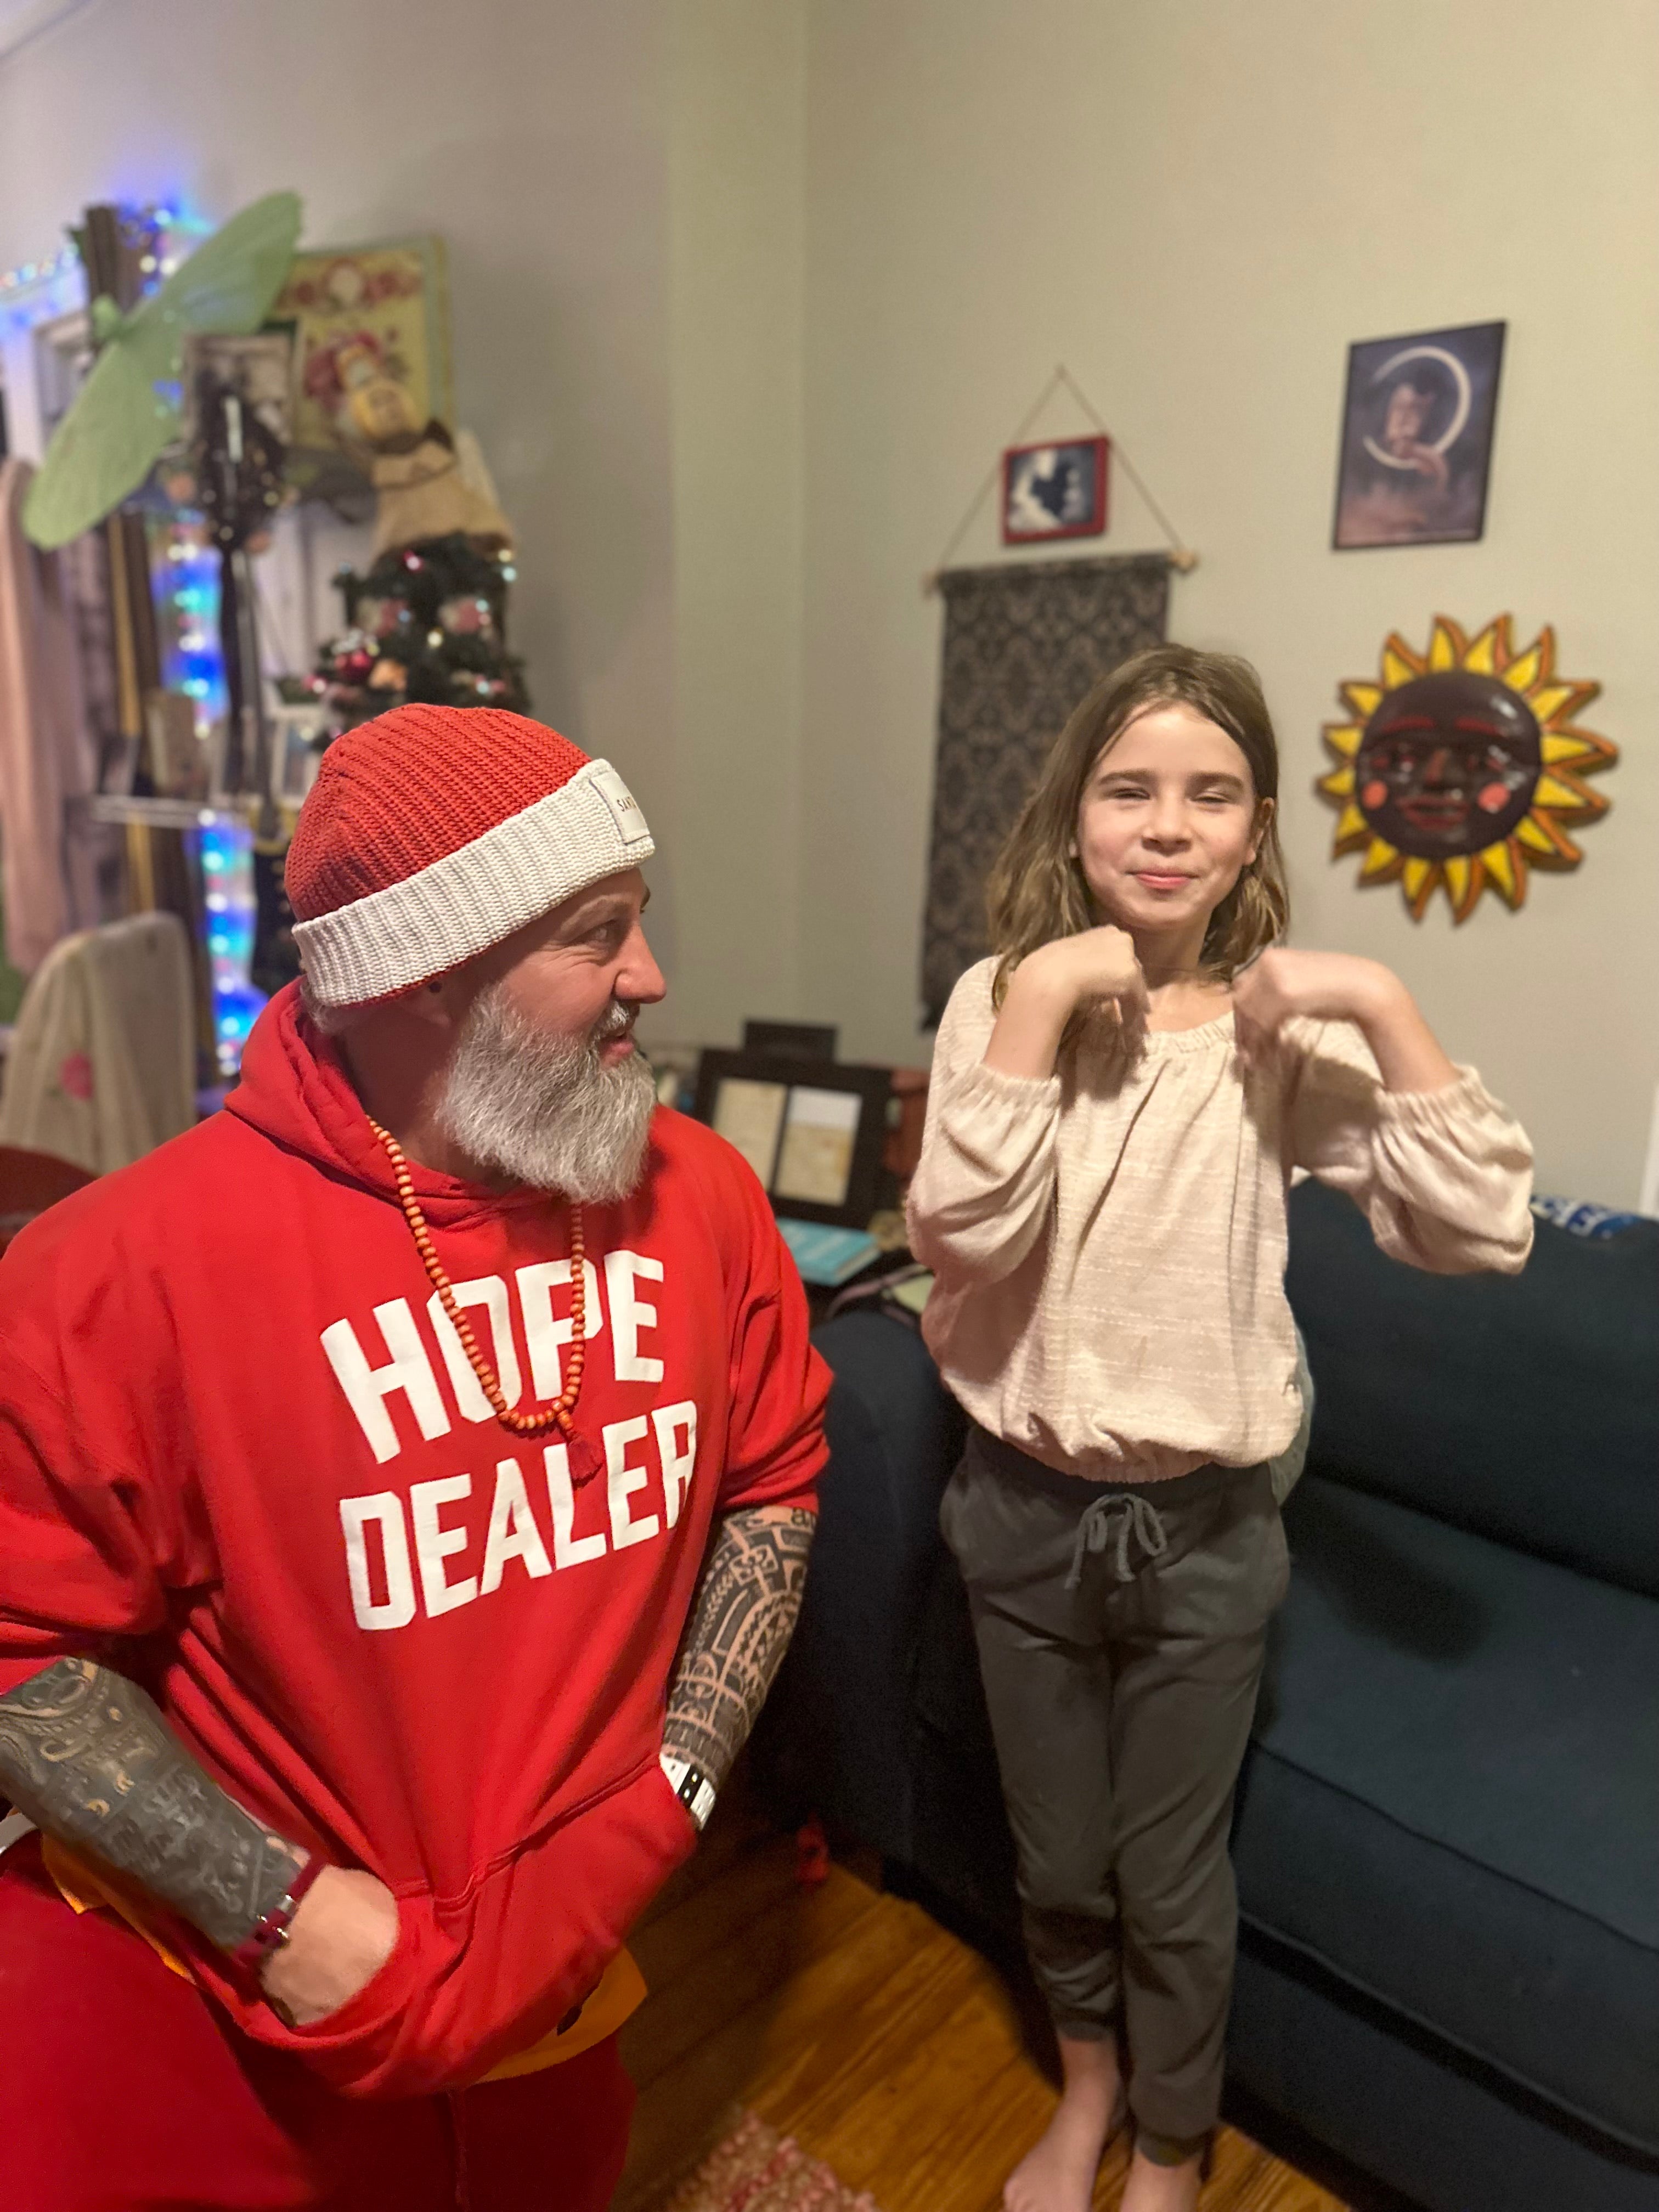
(1120, 1094)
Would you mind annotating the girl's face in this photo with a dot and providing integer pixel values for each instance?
(1168, 822)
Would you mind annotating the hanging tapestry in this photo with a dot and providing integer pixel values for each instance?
(1022, 642)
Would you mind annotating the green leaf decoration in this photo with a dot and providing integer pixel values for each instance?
(126, 413)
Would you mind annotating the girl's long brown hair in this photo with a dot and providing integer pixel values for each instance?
(1036, 891)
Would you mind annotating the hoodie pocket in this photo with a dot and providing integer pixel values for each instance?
(474, 1980)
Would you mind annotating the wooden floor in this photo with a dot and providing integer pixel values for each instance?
(852, 2021)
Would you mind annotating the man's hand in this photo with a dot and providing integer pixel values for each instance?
(341, 1934)
(1338, 986)
(88, 1756)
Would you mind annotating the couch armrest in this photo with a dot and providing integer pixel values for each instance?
(834, 1737)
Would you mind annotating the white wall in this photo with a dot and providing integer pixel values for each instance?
(1197, 204)
(736, 201)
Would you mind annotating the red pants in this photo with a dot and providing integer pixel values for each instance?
(122, 2090)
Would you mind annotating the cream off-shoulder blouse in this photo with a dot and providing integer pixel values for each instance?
(1109, 1243)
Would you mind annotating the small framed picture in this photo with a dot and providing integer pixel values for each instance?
(295, 752)
(258, 366)
(177, 758)
(1053, 491)
(812, 1131)
(1416, 431)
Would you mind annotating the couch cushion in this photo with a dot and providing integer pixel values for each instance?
(833, 1736)
(1525, 1407)
(1454, 1802)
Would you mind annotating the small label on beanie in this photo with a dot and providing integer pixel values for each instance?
(625, 809)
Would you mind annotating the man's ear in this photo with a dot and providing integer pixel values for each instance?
(441, 1003)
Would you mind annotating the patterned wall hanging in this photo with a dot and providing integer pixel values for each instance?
(1023, 641)
(1463, 766)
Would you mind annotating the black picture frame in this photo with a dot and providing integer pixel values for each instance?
(796, 1040)
(867, 1090)
(1420, 414)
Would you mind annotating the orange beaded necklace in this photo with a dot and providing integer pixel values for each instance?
(524, 1425)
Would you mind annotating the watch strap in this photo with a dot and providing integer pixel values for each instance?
(690, 1785)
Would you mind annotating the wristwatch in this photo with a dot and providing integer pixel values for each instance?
(691, 1786)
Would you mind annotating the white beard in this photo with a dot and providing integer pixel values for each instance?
(542, 1109)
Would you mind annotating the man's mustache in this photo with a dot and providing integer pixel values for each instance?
(618, 1021)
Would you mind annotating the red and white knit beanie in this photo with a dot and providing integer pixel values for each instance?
(432, 832)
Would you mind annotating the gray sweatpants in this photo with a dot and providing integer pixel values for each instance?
(1121, 1632)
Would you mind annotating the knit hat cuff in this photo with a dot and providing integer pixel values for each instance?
(457, 906)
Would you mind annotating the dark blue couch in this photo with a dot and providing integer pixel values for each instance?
(1448, 1836)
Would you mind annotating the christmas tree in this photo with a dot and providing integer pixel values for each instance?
(428, 621)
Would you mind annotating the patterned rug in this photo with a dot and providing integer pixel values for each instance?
(755, 2169)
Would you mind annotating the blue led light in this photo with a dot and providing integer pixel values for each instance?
(225, 845)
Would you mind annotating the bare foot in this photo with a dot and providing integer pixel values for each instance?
(1153, 2188)
(1058, 2175)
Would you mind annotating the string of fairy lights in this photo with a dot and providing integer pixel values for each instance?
(185, 575)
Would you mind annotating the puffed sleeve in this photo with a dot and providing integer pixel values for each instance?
(984, 1188)
(1444, 1177)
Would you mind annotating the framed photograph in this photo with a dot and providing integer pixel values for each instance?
(177, 758)
(258, 367)
(1053, 491)
(295, 752)
(373, 342)
(63, 355)
(813, 1132)
(1417, 432)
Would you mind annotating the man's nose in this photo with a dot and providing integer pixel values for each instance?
(638, 976)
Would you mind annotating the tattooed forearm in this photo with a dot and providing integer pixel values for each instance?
(744, 1615)
(86, 1755)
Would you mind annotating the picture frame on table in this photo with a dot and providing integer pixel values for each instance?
(812, 1131)
(1056, 489)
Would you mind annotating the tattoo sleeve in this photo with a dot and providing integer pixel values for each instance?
(745, 1614)
(86, 1755)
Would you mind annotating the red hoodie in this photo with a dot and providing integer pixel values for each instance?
(243, 1459)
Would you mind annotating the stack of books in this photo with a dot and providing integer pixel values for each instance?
(827, 1255)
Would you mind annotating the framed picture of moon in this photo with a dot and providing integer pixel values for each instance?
(1417, 432)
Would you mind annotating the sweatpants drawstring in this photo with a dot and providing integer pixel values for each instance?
(1125, 1514)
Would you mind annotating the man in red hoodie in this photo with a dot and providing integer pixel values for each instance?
(406, 1480)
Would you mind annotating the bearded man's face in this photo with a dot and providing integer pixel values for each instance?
(544, 1084)
(550, 1110)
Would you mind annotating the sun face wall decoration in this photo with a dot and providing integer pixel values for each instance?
(1461, 768)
